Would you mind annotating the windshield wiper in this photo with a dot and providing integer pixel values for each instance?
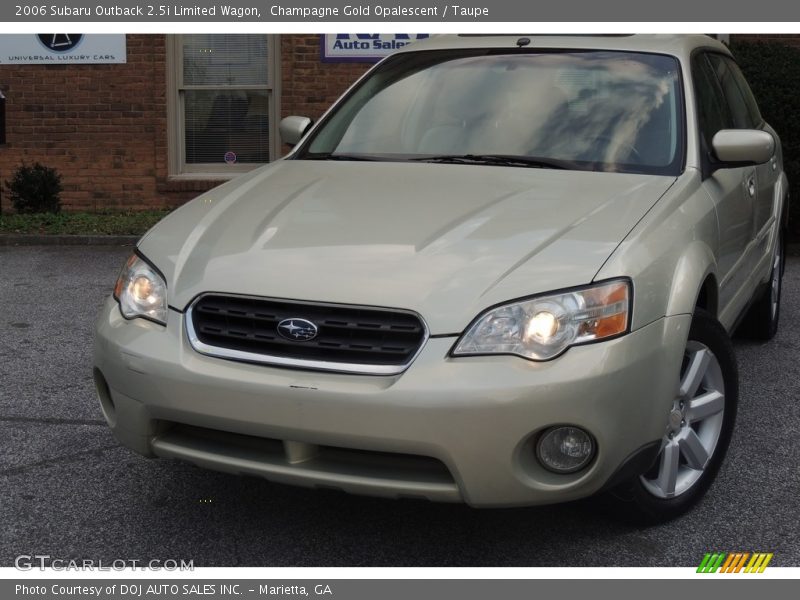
(503, 160)
(332, 156)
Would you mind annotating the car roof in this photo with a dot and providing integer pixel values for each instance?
(681, 46)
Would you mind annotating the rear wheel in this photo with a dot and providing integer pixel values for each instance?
(696, 434)
(761, 321)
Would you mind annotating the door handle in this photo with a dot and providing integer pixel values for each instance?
(751, 186)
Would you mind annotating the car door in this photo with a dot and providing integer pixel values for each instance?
(746, 114)
(732, 190)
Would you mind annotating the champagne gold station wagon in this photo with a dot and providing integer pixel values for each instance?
(501, 270)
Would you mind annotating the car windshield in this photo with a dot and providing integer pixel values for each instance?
(588, 110)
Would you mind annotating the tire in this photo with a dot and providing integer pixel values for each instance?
(697, 432)
(761, 321)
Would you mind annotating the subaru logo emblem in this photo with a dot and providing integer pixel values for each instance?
(297, 330)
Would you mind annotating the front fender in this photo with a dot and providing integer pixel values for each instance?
(693, 268)
(670, 254)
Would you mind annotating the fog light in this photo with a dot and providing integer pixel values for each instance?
(565, 449)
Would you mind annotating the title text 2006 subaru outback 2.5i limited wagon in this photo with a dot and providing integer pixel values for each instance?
(501, 270)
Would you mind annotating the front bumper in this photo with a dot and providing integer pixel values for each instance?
(447, 429)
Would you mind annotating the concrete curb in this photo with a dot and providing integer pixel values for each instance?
(32, 239)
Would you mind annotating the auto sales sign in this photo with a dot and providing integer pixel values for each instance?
(364, 47)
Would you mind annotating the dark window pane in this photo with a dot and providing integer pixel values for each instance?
(226, 126)
(747, 93)
(225, 59)
(714, 114)
(733, 95)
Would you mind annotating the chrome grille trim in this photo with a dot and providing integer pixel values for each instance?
(298, 363)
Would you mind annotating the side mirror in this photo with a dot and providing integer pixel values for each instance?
(742, 147)
(292, 129)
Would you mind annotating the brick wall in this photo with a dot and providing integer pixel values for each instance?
(104, 127)
(101, 126)
(310, 86)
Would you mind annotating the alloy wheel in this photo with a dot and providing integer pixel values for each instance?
(694, 425)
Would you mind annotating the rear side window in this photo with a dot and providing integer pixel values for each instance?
(714, 113)
(737, 93)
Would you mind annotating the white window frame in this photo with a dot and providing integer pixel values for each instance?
(176, 116)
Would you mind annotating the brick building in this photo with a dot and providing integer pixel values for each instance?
(156, 130)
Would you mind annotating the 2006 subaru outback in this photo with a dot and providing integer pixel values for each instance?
(500, 270)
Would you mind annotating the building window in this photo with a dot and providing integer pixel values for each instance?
(223, 103)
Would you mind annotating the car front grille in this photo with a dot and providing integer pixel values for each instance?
(348, 338)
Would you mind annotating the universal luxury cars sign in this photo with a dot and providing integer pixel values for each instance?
(61, 48)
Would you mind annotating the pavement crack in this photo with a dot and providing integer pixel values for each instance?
(56, 461)
(52, 421)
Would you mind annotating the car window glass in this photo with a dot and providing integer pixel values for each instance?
(712, 107)
(611, 111)
(747, 92)
(740, 112)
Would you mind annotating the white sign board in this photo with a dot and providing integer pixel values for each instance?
(62, 48)
(364, 47)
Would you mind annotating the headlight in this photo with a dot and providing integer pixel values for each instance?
(542, 328)
(141, 291)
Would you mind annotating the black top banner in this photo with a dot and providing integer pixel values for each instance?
(427, 11)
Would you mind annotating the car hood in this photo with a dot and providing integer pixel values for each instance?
(446, 241)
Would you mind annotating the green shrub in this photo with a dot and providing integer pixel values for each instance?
(35, 189)
(773, 71)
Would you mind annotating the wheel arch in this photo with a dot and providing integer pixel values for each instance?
(694, 282)
(708, 296)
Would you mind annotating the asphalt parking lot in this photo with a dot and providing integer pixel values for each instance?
(68, 490)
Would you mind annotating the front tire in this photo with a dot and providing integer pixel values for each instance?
(696, 435)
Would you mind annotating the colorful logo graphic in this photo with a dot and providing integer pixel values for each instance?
(735, 562)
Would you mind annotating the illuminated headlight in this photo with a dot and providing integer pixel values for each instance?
(542, 328)
(141, 291)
